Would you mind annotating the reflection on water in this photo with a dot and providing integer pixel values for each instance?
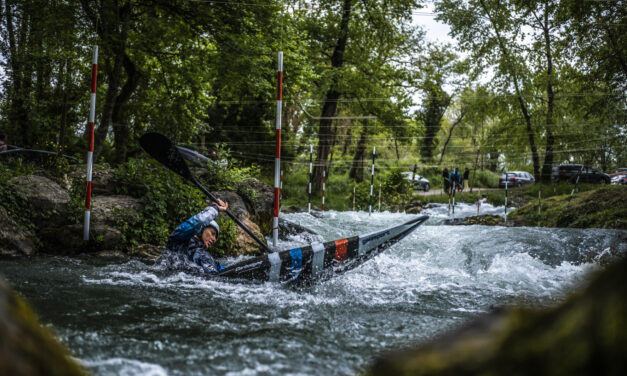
(134, 318)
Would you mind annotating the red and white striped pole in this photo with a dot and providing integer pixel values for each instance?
(90, 149)
(277, 159)
(324, 187)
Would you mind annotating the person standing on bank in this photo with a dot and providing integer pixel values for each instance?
(455, 179)
(445, 179)
(188, 245)
(465, 178)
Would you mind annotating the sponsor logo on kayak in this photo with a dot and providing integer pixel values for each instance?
(374, 237)
(249, 266)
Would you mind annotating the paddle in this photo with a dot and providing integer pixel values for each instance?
(163, 150)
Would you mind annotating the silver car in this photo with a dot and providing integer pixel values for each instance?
(419, 182)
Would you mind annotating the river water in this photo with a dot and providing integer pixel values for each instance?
(132, 318)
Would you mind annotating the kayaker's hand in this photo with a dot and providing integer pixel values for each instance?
(221, 205)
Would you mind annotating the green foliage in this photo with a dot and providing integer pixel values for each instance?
(168, 200)
(16, 204)
(218, 177)
(486, 179)
(227, 239)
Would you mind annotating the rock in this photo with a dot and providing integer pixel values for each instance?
(102, 179)
(414, 207)
(485, 220)
(585, 335)
(13, 239)
(237, 206)
(291, 209)
(69, 239)
(244, 243)
(454, 221)
(147, 251)
(26, 347)
(110, 209)
(103, 182)
(48, 199)
(262, 210)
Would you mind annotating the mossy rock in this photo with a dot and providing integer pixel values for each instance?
(600, 208)
(27, 348)
(586, 335)
(485, 220)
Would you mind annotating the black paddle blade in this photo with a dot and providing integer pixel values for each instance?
(163, 150)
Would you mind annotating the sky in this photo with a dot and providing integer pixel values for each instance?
(435, 31)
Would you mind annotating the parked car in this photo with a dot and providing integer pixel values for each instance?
(419, 183)
(619, 171)
(516, 179)
(620, 179)
(570, 172)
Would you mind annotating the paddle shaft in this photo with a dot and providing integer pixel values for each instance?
(233, 217)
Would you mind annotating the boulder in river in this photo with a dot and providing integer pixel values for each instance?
(244, 243)
(27, 348)
(586, 335)
(13, 239)
(48, 199)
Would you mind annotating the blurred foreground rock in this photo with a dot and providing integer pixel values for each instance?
(26, 348)
(586, 335)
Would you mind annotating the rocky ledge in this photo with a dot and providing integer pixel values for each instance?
(54, 226)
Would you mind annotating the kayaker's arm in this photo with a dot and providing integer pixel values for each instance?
(194, 224)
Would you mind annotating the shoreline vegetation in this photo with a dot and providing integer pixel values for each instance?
(137, 204)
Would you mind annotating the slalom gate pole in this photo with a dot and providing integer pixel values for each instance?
(277, 159)
(281, 189)
(506, 181)
(354, 186)
(90, 149)
(324, 187)
(379, 197)
(539, 204)
(310, 176)
(371, 180)
(576, 183)
(454, 188)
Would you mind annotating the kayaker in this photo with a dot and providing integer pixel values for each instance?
(188, 245)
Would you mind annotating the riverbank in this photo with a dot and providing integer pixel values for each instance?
(134, 207)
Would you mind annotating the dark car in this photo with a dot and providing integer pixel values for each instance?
(516, 179)
(585, 174)
(419, 183)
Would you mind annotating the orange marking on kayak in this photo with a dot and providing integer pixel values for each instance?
(340, 249)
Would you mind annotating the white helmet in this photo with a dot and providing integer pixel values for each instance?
(214, 224)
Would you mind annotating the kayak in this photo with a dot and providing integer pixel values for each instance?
(318, 260)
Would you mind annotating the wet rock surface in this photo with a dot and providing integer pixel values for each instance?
(27, 348)
(14, 240)
(587, 334)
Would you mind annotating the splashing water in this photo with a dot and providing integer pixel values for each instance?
(133, 318)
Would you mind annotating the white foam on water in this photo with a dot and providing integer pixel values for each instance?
(124, 367)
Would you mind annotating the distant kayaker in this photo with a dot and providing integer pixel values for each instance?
(188, 245)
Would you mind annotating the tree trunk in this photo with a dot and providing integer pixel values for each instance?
(521, 102)
(547, 168)
(325, 136)
(450, 133)
(121, 128)
(357, 168)
(118, 50)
